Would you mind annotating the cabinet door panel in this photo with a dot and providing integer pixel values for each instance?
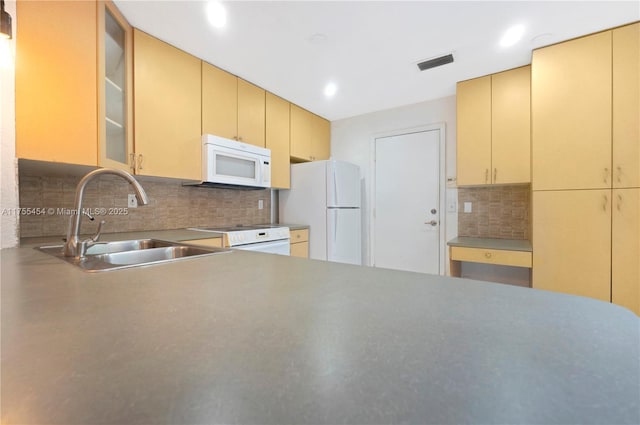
(115, 78)
(320, 138)
(277, 139)
(626, 106)
(572, 242)
(219, 102)
(473, 105)
(300, 249)
(510, 126)
(300, 133)
(625, 254)
(251, 104)
(571, 114)
(56, 85)
(167, 109)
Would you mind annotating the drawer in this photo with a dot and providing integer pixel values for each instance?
(299, 235)
(210, 242)
(491, 256)
(300, 249)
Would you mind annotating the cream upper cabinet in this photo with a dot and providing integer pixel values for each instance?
(493, 126)
(55, 83)
(572, 242)
(232, 107)
(115, 78)
(625, 273)
(300, 133)
(571, 114)
(277, 139)
(167, 109)
(219, 102)
(320, 138)
(626, 106)
(310, 135)
(251, 113)
(473, 115)
(511, 126)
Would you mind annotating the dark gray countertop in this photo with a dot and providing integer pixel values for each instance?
(264, 339)
(491, 243)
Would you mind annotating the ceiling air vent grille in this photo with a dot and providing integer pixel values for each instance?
(432, 63)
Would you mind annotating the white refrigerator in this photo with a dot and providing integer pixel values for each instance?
(326, 196)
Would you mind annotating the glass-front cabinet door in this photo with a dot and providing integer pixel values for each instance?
(115, 72)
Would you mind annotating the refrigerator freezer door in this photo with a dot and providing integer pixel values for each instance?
(343, 184)
(343, 235)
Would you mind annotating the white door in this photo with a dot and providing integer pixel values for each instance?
(343, 235)
(407, 213)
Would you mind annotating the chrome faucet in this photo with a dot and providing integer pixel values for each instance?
(74, 247)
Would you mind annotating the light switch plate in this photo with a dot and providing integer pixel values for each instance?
(452, 206)
(467, 207)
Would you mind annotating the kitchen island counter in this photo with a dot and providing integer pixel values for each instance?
(257, 338)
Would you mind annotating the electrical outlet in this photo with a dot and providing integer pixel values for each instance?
(132, 201)
(452, 206)
(468, 207)
(260, 204)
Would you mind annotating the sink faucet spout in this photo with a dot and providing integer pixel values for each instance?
(73, 247)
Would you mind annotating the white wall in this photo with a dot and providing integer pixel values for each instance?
(8, 162)
(352, 140)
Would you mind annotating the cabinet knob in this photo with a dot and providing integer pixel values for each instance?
(487, 254)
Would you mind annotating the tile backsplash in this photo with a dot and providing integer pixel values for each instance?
(171, 205)
(497, 212)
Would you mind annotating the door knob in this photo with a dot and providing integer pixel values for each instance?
(432, 222)
(433, 211)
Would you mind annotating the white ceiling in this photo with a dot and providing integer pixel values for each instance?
(368, 48)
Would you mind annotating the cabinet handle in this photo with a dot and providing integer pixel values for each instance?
(619, 168)
(495, 175)
(132, 162)
(619, 203)
(606, 175)
(239, 138)
(140, 160)
(604, 204)
(486, 175)
(487, 254)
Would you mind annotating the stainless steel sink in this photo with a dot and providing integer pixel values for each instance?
(140, 252)
(132, 245)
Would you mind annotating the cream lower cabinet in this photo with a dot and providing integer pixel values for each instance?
(572, 242)
(300, 243)
(167, 109)
(625, 254)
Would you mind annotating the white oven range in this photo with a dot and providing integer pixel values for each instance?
(269, 238)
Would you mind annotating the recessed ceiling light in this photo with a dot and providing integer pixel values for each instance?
(512, 36)
(330, 89)
(217, 14)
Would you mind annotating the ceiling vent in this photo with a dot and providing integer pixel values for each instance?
(432, 63)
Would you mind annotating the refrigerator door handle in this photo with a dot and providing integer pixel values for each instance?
(335, 226)
(335, 188)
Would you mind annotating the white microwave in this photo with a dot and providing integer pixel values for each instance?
(231, 163)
